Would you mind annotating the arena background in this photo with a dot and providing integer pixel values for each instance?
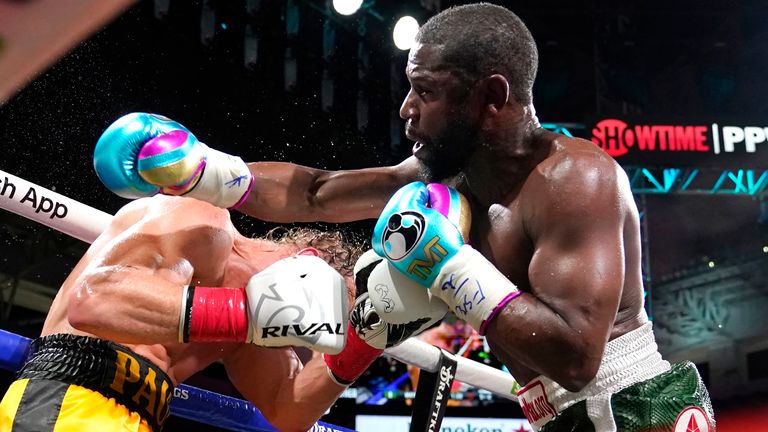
(294, 81)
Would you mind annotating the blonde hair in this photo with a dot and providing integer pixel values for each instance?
(339, 252)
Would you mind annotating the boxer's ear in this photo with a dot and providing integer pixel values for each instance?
(496, 92)
(309, 251)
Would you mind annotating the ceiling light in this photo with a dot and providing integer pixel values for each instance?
(346, 7)
(405, 31)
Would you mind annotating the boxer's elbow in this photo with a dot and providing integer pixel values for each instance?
(576, 378)
(288, 425)
(580, 371)
(85, 310)
(269, 413)
(286, 420)
(81, 318)
(288, 415)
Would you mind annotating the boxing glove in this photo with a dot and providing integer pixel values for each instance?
(422, 232)
(369, 334)
(416, 235)
(297, 301)
(396, 308)
(143, 154)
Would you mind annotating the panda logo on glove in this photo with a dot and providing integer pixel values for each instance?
(377, 333)
(403, 232)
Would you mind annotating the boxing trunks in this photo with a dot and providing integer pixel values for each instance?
(634, 390)
(83, 384)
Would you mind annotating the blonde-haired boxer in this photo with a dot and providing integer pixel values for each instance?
(167, 289)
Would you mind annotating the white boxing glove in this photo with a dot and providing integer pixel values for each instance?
(369, 334)
(297, 301)
(399, 307)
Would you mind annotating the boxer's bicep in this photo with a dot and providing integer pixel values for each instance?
(578, 272)
(577, 267)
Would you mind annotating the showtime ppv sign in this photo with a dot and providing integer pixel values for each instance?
(619, 138)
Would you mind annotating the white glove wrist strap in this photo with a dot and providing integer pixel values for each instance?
(225, 181)
(472, 287)
(183, 313)
(334, 379)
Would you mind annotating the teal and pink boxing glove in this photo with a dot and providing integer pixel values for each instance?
(423, 232)
(143, 154)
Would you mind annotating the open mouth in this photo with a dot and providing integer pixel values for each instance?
(411, 134)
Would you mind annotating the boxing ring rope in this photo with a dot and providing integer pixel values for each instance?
(86, 223)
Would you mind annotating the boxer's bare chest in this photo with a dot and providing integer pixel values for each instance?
(499, 235)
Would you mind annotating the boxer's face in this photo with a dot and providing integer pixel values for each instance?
(439, 115)
(351, 291)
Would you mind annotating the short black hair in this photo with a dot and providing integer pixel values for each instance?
(482, 39)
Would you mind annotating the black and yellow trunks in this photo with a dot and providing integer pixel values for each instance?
(78, 383)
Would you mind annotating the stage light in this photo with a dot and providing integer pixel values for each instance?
(711, 264)
(161, 8)
(207, 23)
(252, 7)
(346, 7)
(405, 31)
(765, 249)
(251, 47)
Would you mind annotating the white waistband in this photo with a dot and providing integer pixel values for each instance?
(628, 359)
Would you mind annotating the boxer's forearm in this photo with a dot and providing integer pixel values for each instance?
(284, 192)
(311, 393)
(530, 333)
(291, 397)
(126, 305)
(142, 154)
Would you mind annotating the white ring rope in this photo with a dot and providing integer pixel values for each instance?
(51, 209)
(425, 356)
(86, 223)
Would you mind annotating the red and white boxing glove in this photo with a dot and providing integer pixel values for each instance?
(369, 334)
(297, 301)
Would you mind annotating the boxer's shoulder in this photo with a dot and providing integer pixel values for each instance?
(186, 221)
(574, 166)
(176, 229)
(183, 212)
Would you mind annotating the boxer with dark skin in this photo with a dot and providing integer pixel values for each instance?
(554, 214)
